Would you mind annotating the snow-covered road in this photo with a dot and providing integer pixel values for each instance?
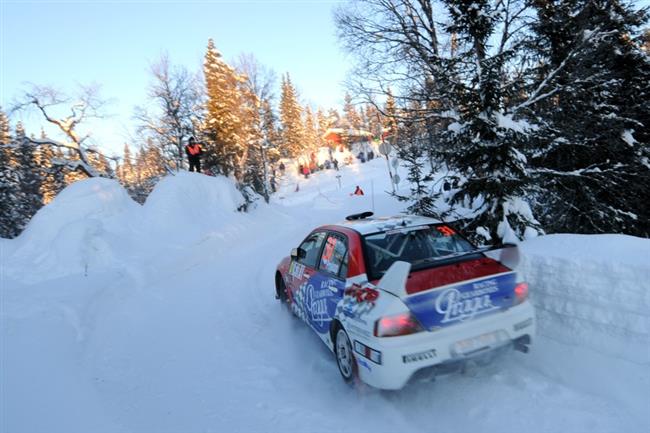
(182, 333)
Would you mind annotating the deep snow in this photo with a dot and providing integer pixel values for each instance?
(116, 317)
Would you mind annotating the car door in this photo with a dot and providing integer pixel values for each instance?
(303, 268)
(327, 286)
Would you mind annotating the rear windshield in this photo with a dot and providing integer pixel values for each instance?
(422, 247)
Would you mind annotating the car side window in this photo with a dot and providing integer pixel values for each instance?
(312, 246)
(334, 258)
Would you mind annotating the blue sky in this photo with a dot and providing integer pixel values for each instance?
(61, 43)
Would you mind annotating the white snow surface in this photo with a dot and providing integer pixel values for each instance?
(116, 317)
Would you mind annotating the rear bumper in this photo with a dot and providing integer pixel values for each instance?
(402, 357)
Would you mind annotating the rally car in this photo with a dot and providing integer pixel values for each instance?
(399, 295)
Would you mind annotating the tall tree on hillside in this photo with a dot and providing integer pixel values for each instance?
(9, 185)
(593, 146)
(126, 172)
(52, 173)
(222, 129)
(485, 149)
(403, 44)
(389, 130)
(293, 132)
(322, 124)
(176, 108)
(411, 151)
(29, 177)
(254, 163)
(350, 113)
(270, 127)
(311, 132)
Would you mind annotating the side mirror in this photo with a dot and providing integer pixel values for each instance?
(298, 253)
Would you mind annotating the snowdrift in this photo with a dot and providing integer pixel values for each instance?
(94, 224)
(189, 206)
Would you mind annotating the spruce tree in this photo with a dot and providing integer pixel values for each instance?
(9, 185)
(593, 144)
(293, 131)
(311, 133)
(29, 178)
(421, 198)
(485, 147)
(350, 112)
(223, 130)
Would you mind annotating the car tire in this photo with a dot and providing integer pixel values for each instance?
(344, 355)
(281, 289)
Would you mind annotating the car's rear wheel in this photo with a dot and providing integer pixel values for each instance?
(344, 357)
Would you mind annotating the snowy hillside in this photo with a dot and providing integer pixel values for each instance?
(117, 317)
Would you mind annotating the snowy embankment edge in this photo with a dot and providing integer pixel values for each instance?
(592, 291)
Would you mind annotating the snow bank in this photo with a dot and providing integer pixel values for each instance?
(94, 225)
(189, 206)
(87, 224)
(592, 291)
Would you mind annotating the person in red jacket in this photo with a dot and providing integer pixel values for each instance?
(194, 152)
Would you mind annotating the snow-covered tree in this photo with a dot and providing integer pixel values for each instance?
(350, 113)
(293, 131)
(9, 185)
(311, 132)
(592, 145)
(30, 198)
(126, 171)
(223, 133)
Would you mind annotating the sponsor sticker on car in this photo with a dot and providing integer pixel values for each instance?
(445, 306)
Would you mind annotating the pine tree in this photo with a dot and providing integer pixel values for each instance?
(350, 113)
(46, 156)
(410, 150)
(293, 133)
(484, 150)
(29, 178)
(390, 118)
(270, 124)
(593, 146)
(126, 172)
(374, 121)
(311, 133)
(223, 130)
(9, 185)
(322, 124)
(254, 161)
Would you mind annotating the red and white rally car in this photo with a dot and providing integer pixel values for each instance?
(393, 296)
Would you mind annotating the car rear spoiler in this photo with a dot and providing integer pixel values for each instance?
(394, 280)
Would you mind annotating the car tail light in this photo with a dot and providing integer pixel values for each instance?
(521, 293)
(400, 324)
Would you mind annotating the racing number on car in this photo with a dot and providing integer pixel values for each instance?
(446, 231)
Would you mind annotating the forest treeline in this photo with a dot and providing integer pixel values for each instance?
(538, 111)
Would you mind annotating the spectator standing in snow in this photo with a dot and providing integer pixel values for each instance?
(336, 164)
(194, 152)
(282, 167)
